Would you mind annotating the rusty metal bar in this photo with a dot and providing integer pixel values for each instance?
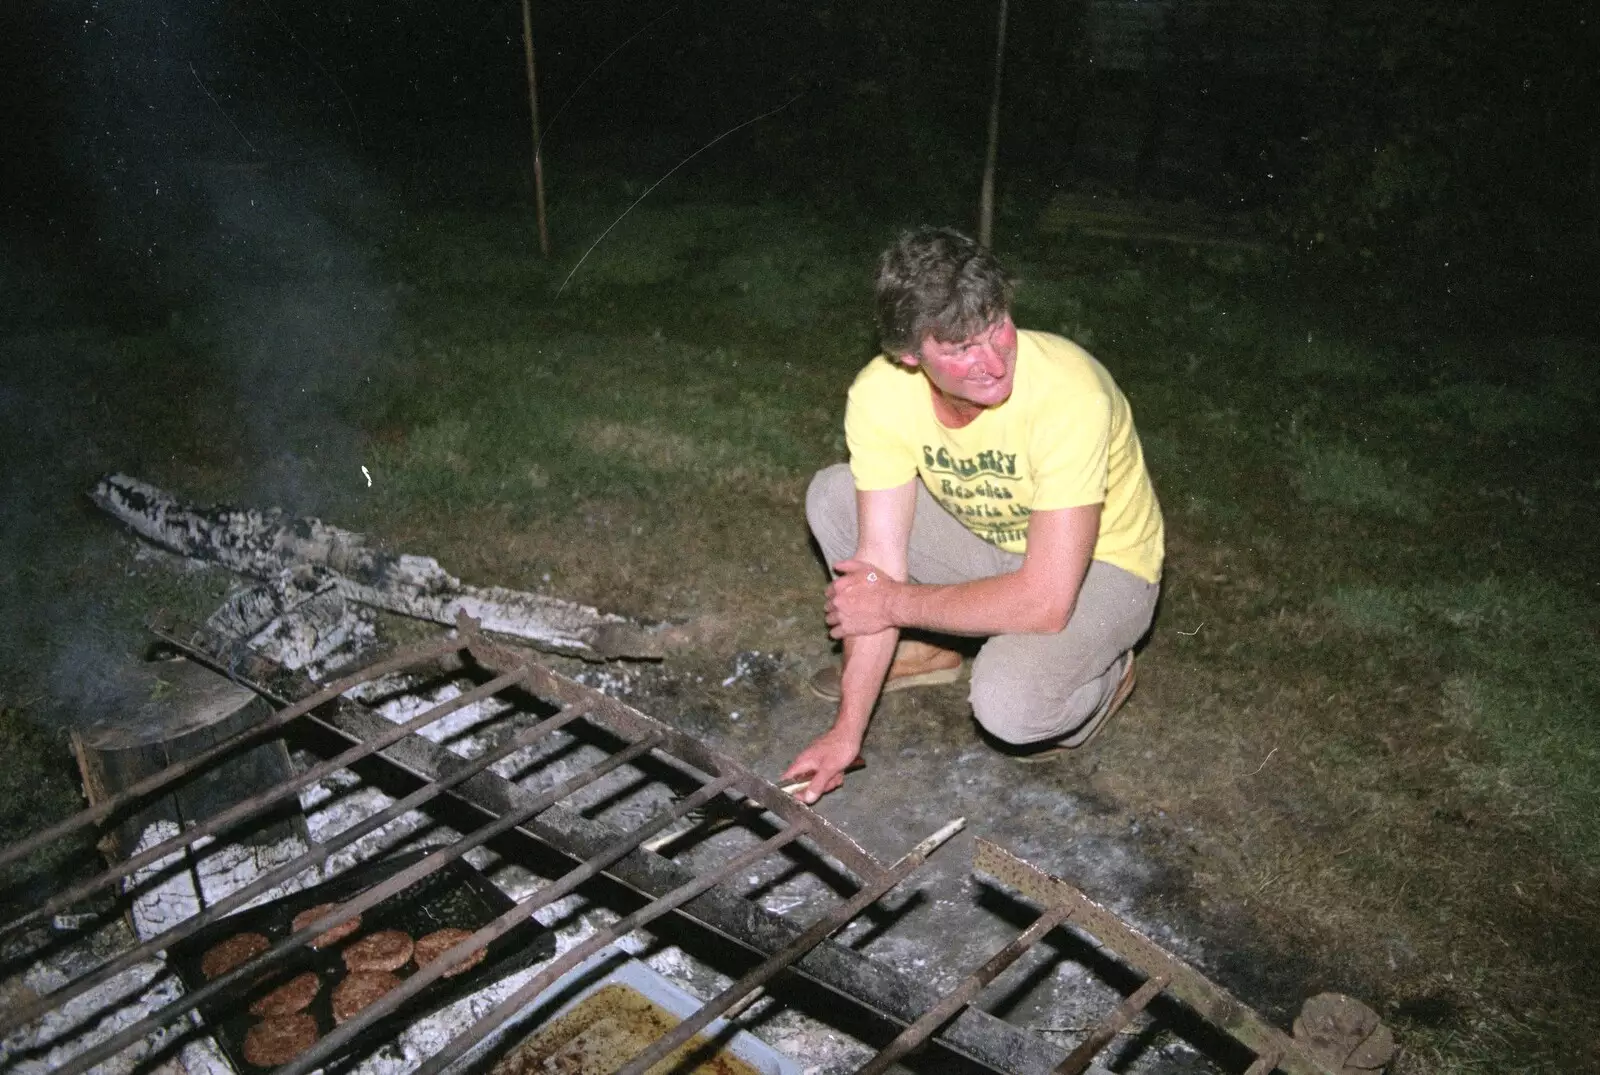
(1078, 1061)
(317, 856)
(156, 781)
(1265, 1064)
(941, 1013)
(257, 803)
(509, 1007)
(629, 723)
(569, 882)
(371, 897)
(802, 944)
(975, 1033)
(1213, 1003)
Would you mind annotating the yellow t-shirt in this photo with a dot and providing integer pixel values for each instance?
(1063, 439)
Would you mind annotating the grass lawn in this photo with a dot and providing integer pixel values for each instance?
(1368, 698)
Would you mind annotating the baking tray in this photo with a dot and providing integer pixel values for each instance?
(613, 965)
(454, 895)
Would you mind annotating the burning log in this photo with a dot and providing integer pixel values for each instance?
(299, 618)
(267, 544)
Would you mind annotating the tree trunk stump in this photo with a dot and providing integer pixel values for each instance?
(187, 709)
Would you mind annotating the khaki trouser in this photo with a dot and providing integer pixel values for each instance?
(1026, 688)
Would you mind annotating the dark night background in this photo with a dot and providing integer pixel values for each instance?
(252, 249)
(1444, 151)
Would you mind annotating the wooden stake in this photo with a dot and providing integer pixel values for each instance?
(533, 111)
(986, 196)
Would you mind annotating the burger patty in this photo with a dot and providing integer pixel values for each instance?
(223, 956)
(439, 942)
(280, 1039)
(359, 989)
(387, 949)
(327, 937)
(291, 996)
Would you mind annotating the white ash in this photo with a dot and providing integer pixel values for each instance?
(554, 758)
(299, 618)
(165, 890)
(401, 698)
(341, 800)
(146, 553)
(823, 1051)
(615, 680)
(49, 1042)
(755, 667)
(297, 645)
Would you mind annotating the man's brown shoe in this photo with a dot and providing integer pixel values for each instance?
(1089, 730)
(922, 665)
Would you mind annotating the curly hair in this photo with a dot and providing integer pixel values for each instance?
(937, 282)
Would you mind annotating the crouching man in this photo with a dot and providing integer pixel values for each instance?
(996, 488)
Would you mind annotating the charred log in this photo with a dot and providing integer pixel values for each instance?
(272, 545)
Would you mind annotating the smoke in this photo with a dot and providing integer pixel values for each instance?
(180, 190)
(292, 308)
(219, 200)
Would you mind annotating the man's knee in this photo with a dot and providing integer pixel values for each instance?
(830, 502)
(1009, 707)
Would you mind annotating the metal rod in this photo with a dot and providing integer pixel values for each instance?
(819, 931)
(400, 659)
(547, 975)
(316, 857)
(992, 144)
(426, 976)
(1212, 1002)
(1078, 1061)
(533, 111)
(629, 723)
(707, 826)
(377, 894)
(257, 803)
(925, 1027)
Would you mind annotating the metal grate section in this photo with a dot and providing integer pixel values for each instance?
(1165, 973)
(548, 814)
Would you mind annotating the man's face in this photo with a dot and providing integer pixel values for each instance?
(977, 371)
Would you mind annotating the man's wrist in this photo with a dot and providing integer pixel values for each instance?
(898, 605)
(850, 722)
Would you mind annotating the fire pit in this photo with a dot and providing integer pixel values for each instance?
(548, 775)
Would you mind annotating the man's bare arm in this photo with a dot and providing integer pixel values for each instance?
(884, 535)
(1037, 598)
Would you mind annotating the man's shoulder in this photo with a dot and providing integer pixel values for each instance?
(1049, 363)
(883, 377)
(1050, 348)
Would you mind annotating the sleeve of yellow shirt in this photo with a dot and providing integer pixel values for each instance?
(876, 420)
(1070, 446)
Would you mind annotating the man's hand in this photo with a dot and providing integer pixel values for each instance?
(859, 600)
(825, 762)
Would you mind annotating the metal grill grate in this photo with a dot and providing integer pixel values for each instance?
(597, 847)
